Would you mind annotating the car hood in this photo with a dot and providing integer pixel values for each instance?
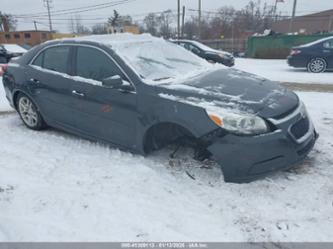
(214, 51)
(232, 89)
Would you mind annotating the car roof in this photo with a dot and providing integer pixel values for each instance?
(317, 41)
(109, 39)
(183, 41)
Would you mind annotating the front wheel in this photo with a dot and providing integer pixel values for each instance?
(29, 113)
(317, 65)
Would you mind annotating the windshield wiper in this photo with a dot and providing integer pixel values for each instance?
(164, 78)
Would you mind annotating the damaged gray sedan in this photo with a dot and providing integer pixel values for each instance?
(141, 93)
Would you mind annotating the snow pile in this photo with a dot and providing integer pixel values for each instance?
(86, 191)
(4, 105)
(279, 70)
(14, 48)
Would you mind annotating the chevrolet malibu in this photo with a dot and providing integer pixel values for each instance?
(141, 93)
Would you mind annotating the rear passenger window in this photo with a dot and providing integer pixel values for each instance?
(94, 64)
(39, 60)
(56, 59)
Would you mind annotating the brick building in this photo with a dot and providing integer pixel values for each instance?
(308, 24)
(30, 37)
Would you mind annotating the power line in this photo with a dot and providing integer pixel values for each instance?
(76, 10)
(90, 19)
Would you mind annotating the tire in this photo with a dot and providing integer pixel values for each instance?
(29, 113)
(317, 65)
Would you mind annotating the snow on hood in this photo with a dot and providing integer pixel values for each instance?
(230, 90)
(154, 59)
(13, 48)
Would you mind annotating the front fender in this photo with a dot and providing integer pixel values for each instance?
(192, 118)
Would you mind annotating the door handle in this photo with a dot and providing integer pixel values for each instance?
(78, 93)
(34, 81)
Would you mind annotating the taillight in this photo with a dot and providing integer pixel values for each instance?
(3, 69)
(295, 52)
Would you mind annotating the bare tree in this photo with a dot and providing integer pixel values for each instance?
(117, 20)
(71, 25)
(99, 29)
(76, 26)
(229, 22)
(166, 19)
(7, 22)
(151, 23)
(191, 28)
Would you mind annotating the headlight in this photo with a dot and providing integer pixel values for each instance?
(223, 55)
(241, 124)
(226, 56)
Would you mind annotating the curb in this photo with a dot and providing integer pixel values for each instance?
(308, 87)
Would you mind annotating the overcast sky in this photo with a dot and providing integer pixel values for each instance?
(137, 8)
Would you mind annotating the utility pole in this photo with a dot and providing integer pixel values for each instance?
(183, 21)
(275, 10)
(48, 6)
(291, 24)
(35, 24)
(178, 21)
(199, 20)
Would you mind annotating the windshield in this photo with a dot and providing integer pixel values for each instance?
(157, 60)
(202, 46)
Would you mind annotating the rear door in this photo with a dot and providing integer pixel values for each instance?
(50, 84)
(103, 112)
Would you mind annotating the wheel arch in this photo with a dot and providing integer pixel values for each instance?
(17, 92)
(163, 133)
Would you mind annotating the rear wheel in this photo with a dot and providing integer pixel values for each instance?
(29, 113)
(317, 65)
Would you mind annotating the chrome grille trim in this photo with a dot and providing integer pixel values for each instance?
(288, 117)
(299, 111)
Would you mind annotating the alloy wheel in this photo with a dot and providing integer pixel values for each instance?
(317, 65)
(28, 112)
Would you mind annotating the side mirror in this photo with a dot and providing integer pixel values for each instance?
(113, 81)
(117, 82)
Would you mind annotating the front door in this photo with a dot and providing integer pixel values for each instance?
(103, 112)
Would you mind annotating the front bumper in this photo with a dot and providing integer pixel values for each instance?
(244, 159)
(229, 62)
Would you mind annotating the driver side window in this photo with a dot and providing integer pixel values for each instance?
(94, 64)
(194, 49)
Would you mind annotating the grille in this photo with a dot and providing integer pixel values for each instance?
(300, 128)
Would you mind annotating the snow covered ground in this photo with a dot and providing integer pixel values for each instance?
(58, 187)
(279, 70)
(4, 105)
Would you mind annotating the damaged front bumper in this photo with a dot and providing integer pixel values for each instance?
(244, 159)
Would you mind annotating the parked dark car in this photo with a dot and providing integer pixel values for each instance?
(205, 52)
(317, 56)
(9, 51)
(142, 93)
(3, 55)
